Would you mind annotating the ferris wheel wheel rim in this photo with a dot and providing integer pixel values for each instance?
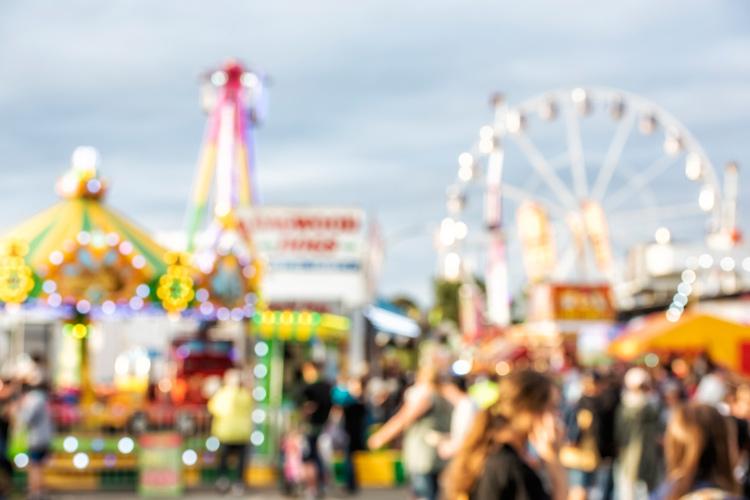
(643, 104)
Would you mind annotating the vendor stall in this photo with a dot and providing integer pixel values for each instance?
(726, 342)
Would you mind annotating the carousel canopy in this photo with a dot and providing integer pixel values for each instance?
(83, 251)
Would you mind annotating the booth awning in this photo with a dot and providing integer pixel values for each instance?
(725, 342)
(389, 320)
(300, 326)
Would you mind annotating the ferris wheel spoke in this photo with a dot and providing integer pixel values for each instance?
(545, 171)
(660, 213)
(640, 180)
(519, 195)
(612, 159)
(575, 149)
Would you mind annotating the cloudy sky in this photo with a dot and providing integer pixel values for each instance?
(371, 101)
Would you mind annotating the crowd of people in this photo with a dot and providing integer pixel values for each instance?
(25, 416)
(674, 430)
(670, 431)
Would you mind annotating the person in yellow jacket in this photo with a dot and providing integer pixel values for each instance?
(230, 408)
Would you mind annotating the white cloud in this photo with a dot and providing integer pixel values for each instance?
(371, 102)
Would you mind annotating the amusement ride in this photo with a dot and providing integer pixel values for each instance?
(572, 180)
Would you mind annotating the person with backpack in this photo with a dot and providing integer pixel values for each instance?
(423, 413)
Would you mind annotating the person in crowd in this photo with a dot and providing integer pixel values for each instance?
(509, 445)
(423, 413)
(637, 433)
(33, 415)
(355, 416)
(712, 388)
(608, 402)
(316, 406)
(582, 426)
(739, 408)
(700, 455)
(7, 394)
(453, 389)
(230, 408)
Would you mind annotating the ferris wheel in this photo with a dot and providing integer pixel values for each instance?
(572, 180)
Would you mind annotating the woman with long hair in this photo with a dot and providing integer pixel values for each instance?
(509, 442)
(700, 451)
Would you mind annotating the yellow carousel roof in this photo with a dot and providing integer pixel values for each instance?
(82, 249)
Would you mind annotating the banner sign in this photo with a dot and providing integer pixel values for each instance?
(309, 239)
(160, 465)
(563, 302)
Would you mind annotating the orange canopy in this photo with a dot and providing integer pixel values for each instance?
(727, 343)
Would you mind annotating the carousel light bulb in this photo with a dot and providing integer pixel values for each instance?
(70, 444)
(461, 367)
(693, 166)
(126, 248)
(56, 257)
(83, 306)
(49, 287)
(83, 238)
(707, 198)
(201, 295)
(237, 314)
(662, 236)
(85, 159)
(685, 289)
(80, 461)
(108, 307)
(136, 303)
(189, 457)
(21, 460)
(126, 445)
(213, 444)
(139, 261)
(93, 186)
